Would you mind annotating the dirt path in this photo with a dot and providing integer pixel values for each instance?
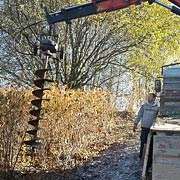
(116, 163)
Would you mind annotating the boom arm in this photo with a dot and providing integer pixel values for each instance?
(87, 9)
(100, 6)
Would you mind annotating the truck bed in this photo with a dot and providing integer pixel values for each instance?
(165, 135)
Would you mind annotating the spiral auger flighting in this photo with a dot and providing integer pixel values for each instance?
(45, 49)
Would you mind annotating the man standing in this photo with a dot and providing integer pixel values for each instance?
(147, 114)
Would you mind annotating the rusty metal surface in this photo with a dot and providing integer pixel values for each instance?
(45, 49)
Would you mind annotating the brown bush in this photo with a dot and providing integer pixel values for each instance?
(77, 125)
(14, 108)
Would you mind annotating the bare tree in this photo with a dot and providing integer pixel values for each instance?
(89, 47)
(18, 35)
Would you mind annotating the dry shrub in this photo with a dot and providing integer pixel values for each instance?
(77, 125)
(14, 108)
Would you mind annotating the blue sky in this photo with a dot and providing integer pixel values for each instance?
(1, 3)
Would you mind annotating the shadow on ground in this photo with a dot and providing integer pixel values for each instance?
(118, 162)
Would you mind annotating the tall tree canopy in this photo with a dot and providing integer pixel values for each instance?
(139, 39)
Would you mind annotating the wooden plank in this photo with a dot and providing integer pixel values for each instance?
(170, 93)
(146, 156)
(166, 157)
(167, 96)
(166, 127)
(172, 121)
(170, 103)
(172, 86)
(165, 160)
(164, 169)
(175, 81)
(171, 79)
(170, 112)
(168, 152)
(165, 173)
(167, 143)
(170, 108)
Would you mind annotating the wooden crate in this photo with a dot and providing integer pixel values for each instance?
(170, 103)
(171, 83)
(166, 157)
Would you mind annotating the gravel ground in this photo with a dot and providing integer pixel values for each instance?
(116, 163)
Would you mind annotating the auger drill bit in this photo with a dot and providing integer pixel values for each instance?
(46, 48)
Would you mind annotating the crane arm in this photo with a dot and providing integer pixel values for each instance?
(176, 2)
(100, 6)
(87, 9)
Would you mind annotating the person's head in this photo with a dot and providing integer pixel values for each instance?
(151, 98)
